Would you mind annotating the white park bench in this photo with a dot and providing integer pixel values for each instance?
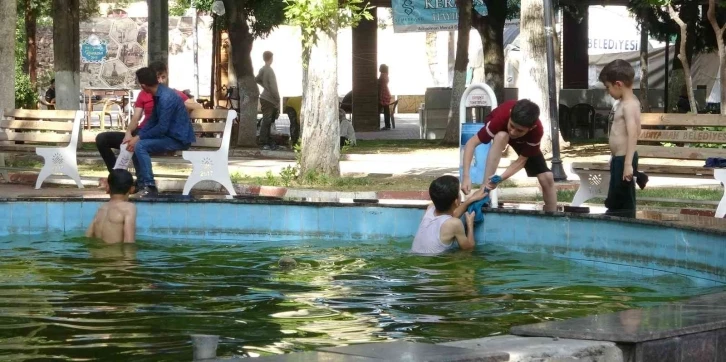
(52, 134)
(595, 177)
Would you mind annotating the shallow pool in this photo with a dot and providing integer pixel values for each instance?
(76, 299)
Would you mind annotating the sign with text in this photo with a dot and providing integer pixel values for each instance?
(478, 98)
(683, 136)
(614, 45)
(428, 15)
(93, 50)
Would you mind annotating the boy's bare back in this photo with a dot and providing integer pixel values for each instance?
(625, 110)
(115, 222)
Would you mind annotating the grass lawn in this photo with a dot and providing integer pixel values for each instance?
(396, 146)
(688, 197)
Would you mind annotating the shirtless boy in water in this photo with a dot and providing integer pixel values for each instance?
(618, 79)
(115, 221)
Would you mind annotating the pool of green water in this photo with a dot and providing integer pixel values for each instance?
(78, 300)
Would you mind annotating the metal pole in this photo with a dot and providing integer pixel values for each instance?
(557, 169)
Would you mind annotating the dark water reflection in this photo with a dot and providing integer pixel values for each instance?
(77, 300)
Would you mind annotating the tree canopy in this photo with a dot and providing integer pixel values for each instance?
(263, 15)
(701, 37)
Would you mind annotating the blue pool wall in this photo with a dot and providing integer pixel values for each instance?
(644, 247)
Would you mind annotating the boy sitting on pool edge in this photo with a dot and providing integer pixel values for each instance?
(441, 227)
(115, 221)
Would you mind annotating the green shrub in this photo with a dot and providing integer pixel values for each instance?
(25, 96)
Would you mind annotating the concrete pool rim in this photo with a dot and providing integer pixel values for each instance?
(280, 201)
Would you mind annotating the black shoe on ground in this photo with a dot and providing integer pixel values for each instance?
(148, 192)
(386, 129)
(641, 179)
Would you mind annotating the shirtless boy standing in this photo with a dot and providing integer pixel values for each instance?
(115, 221)
(618, 79)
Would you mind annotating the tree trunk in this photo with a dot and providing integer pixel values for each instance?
(432, 57)
(303, 112)
(683, 57)
(491, 31)
(158, 45)
(7, 49)
(223, 67)
(31, 53)
(532, 80)
(462, 59)
(721, 51)
(241, 41)
(66, 52)
(451, 59)
(644, 102)
(320, 135)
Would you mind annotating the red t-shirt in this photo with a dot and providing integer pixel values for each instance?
(498, 121)
(145, 100)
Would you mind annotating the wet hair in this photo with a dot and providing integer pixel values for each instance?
(383, 68)
(267, 56)
(443, 192)
(158, 67)
(525, 113)
(147, 77)
(618, 71)
(120, 182)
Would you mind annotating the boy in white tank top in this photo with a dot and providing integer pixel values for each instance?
(441, 226)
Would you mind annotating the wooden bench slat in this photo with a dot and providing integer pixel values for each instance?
(682, 119)
(44, 114)
(650, 169)
(36, 125)
(208, 142)
(216, 127)
(27, 148)
(680, 153)
(37, 137)
(682, 136)
(220, 114)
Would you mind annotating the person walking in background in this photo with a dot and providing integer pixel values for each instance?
(384, 96)
(269, 100)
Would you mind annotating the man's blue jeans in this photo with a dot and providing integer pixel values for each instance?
(142, 157)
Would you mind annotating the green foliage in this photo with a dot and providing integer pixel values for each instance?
(700, 39)
(314, 16)
(181, 6)
(263, 16)
(24, 93)
(43, 9)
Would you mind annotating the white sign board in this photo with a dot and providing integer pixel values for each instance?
(478, 97)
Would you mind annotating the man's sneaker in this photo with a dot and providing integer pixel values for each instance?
(135, 188)
(148, 192)
(641, 179)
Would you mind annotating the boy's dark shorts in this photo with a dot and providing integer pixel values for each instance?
(621, 194)
(536, 165)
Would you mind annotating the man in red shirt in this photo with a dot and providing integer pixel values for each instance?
(517, 124)
(106, 142)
